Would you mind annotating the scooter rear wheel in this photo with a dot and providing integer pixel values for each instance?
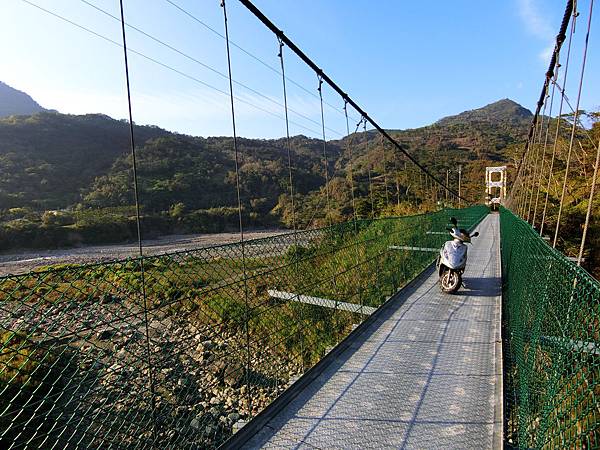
(450, 281)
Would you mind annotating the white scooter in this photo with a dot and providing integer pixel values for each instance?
(453, 258)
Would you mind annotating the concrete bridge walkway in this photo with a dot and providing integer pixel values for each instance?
(426, 373)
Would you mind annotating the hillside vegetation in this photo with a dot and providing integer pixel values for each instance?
(577, 189)
(68, 179)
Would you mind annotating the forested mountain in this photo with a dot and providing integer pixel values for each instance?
(471, 140)
(503, 111)
(15, 102)
(67, 179)
(49, 159)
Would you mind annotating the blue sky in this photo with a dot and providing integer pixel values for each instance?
(406, 63)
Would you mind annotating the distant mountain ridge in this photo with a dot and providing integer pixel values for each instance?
(16, 103)
(52, 161)
(505, 111)
(56, 161)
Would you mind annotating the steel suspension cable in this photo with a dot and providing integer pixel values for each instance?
(291, 179)
(447, 179)
(574, 127)
(421, 185)
(539, 181)
(459, 186)
(523, 184)
(549, 74)
(167, 66)
(513, 198)
(520, 186)
(368, 167)
(239, 205)
(581, 124)
(349, 150)
(206, 66)
(537, 154)
(387, 197)
(323, 77)
(326, 163)
(531, 165)
(397, 169)
(246, 52)
(139, 227)
(558, 120)
(287, 139)
(588, 213)
(527, 171)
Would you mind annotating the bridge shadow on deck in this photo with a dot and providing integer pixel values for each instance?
(482, 287)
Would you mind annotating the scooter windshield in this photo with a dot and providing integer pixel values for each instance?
(455, 254)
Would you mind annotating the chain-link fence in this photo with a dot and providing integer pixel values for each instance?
(177, 350)
(552, 313)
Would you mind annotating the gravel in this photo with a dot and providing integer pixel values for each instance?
(26, 260)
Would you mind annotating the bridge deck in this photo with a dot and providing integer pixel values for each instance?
(425, 374)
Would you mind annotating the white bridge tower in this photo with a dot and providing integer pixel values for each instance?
(495, 183)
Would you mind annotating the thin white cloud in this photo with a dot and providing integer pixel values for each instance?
(546, 53)
(535, 22)
(538, 25)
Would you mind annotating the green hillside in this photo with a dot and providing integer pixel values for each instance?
(68, 179)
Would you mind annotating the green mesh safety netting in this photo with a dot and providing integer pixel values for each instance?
(552, 317)
(178, 350)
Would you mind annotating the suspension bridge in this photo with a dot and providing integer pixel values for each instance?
(334, 336)
(425, 371)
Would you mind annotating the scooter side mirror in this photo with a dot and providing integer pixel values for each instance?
(475, 234)
(453, 221)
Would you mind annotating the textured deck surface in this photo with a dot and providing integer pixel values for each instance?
(426, 374)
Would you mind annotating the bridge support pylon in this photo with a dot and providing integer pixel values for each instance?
(495, 185)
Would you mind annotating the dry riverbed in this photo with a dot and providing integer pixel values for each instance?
(27, 260)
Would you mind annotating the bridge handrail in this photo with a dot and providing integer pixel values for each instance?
(551, 308)
(77, 365)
